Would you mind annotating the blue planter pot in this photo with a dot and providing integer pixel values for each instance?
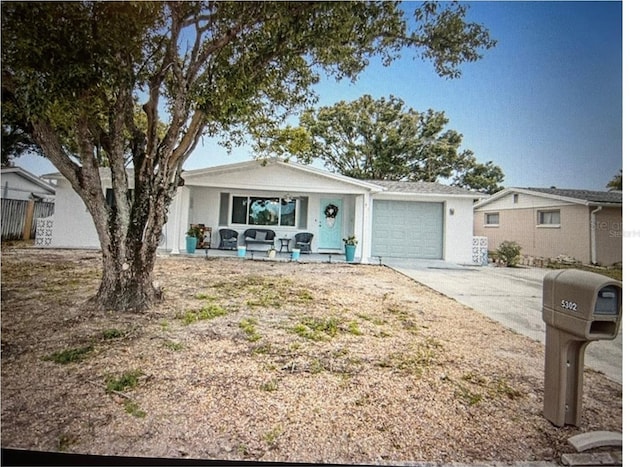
(350, 252)
(191, 244)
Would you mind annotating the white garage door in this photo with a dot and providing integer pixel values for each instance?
(405, 229)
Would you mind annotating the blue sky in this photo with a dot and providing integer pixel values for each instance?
(545, 104)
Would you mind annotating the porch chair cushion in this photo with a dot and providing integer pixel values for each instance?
(259, 237)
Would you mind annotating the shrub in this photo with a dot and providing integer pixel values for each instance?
(509, 253)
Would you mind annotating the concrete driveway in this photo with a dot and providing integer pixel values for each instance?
(511, 296)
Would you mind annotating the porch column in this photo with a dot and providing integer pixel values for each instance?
(363, 226)
(179, 220)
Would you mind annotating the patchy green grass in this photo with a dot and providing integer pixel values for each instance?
(65, 442)
(414, 360)
(128, 380)
(495, 387)
(271, 436)
(467, 396)
(372, 319)
(73, 355)
(209, 311)
(354, 328)
(261, 291)
(502, 388)
(248, 325)
(204, 296)
(175, 346)
(113, 333)
(317, 329)
(133, 409)
(269, 386)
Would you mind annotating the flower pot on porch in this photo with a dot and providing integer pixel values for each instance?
(350, 252)
(191, 244)
(295, 254)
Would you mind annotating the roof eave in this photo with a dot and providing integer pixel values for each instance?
(566, 199)
(301, 167)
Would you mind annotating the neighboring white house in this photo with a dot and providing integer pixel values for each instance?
(19, 184)
(389, 219)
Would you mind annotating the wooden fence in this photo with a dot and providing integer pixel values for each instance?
(18, 217)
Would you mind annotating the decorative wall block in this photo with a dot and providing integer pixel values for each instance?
(480, 251)
(44, 231)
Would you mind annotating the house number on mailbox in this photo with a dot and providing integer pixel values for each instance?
(566, 304)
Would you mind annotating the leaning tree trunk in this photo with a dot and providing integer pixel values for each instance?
(128, 266)
(129, 258)
(127, 281)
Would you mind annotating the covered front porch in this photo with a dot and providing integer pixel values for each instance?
(279, 197)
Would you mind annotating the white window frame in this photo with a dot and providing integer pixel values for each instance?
(540, 217)
(486, 219)
(248, 198)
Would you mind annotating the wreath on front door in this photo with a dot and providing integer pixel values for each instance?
(331, 211)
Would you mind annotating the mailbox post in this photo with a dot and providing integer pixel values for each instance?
(578, 307)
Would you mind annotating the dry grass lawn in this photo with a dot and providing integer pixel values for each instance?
(260, 360)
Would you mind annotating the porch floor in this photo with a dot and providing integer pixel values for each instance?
(258, 255)
(334, 257)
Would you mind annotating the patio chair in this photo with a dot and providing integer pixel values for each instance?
(302, 241)
(228, 239)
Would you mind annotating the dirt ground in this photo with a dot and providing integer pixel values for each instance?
(271, 361)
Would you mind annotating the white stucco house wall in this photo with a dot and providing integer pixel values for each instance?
(389, 219)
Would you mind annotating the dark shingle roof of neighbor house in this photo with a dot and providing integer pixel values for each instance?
(422, 187)
(584, 195)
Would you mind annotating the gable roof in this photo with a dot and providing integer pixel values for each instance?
(576, 196)
(583, 195)
(46, 186)
(302, 168)
(431, 188)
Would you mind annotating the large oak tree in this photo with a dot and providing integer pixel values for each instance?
(76, 74)
(382, 139)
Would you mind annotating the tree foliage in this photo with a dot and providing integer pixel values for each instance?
(383, 140)
(16, 142)
(616, 182)
(75, 73)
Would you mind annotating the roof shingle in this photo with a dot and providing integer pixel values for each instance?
(584, 195)
(422, 187)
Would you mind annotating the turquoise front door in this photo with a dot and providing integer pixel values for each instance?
(330, 224)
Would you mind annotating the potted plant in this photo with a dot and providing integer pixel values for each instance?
(193, 234)
(350, 247)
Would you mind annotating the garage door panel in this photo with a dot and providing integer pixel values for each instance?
(407, 229)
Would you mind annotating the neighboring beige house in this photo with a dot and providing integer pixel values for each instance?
(551, 222)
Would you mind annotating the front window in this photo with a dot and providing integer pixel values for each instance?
(253, 210)
(549, 217)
